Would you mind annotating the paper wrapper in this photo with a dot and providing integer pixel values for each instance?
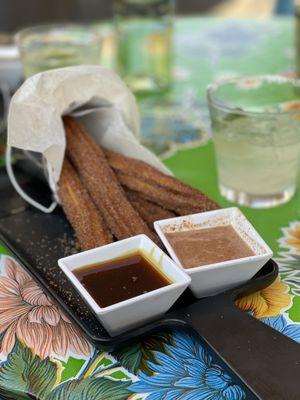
(94, 94)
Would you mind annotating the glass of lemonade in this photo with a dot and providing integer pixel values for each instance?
(297, 13)
(54, 46)
(256, 133)
(144, 38)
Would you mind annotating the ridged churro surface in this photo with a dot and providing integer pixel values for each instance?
(90, 228)
(165, 190)
(149, 211)
(142, 170)
(102, 184)
(177, 202)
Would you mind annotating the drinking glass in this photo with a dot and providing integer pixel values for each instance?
(256, 133)
(297, 12)
(144, 36)
(54, 46)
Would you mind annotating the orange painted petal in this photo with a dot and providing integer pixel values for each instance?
(51, 315)
(30, 334)
(39, 336)
(11, 314)
(33, 294)
(277, 298)
(15, 271)
(64, 317)
(46, 332)
(293, 242)
(295, 233)
(59, 342)
(9, 339)
(47, 340)
(8, 287)
(3, 327)
(35, 315)
(6, 303)
(63, 338)
(253, 302)
(78, 343)
(268, 302)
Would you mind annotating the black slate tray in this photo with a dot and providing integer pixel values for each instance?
(264, 359)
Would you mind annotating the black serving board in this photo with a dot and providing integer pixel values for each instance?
(264, 359)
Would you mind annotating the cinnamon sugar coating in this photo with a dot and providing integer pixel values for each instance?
(90, 228)
(149, 211)
(102, 184)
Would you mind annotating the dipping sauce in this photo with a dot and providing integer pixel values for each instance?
(121, 278)
(205, 246)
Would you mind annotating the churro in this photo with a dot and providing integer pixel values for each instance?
(145, 172)
(89, 226)
(148, 210)
(102, 184)
(177, 202)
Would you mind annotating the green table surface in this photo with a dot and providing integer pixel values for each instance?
(43, 356)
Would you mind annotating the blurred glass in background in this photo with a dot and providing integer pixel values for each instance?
(144, 30)
(136, 39)
(256, 133)
(54, 46)
(297, 12)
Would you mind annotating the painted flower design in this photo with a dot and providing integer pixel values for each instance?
(186, 371)
(293, 105)
(291, 238)
(283, 325)
(289, 73)
(29, 315)
(268, 302)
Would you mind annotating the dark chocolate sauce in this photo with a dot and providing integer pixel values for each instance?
(120, 279)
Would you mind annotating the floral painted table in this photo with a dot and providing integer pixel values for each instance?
(43, 356)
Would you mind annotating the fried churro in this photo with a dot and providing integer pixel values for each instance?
(102, 184)
(88, 224)
(143, 171)
(180, 204)
(148, 210)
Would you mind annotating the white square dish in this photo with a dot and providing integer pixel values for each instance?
(138, 310)
(208, 280)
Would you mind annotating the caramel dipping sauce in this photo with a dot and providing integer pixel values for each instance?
(205, 246)
(121, 278)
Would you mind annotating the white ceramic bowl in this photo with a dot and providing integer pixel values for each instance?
(128, 314)
(214, 278)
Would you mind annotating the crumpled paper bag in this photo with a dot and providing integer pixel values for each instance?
(94, 94)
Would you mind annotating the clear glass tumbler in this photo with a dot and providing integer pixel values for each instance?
(256, 133)
(144, 38)
(54, 46)
(297, 12)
